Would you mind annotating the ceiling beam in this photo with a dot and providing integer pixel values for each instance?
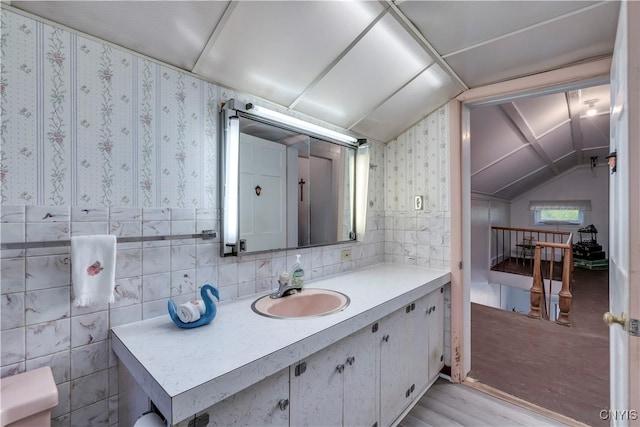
(335, 62)
(573, 104)
(426, 45)
(391, 95)
(514, 115)
(499, 159)
(522, 178)
(522, 30)
(214, 35)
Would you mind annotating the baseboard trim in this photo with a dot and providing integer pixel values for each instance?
(470, 382)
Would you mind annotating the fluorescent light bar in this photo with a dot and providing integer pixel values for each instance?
(231, 181)
(362, 190)
(300, 124)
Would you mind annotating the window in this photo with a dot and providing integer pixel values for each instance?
(559, 212)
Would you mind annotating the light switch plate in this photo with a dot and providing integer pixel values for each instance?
(418, 203)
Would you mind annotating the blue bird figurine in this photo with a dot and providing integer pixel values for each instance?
(205, 318)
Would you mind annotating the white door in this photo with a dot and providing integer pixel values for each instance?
(624, 216)
(322, 204)
(262, 216)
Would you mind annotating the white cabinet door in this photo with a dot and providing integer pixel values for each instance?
(411, 353)
(337, 385)
(395, 359)
(436, 332)
(263, 404)
(419, 330)
(317, 388)
(360, 380)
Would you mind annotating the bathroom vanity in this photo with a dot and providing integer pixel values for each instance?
(360, 366)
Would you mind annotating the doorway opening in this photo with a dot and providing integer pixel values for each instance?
(539, 179)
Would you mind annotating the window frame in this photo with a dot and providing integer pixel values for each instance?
(538, 207)
(537, 217)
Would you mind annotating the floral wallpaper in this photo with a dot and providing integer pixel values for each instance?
(84, 124)
(417, 163)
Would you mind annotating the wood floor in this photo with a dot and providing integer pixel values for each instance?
(565, 370)
(448, 404)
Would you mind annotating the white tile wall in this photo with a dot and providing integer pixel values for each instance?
(41, 327)
(417, 163)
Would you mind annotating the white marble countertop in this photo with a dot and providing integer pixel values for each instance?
(185, 371)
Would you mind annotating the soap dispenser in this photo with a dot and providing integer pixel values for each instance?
(297, 273)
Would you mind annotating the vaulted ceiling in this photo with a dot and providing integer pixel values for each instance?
(371, 67)
(518, 145)
(378, 67)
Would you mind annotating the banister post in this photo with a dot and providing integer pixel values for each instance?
(535, 293)
(565, 293)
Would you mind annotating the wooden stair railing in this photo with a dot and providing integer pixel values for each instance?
(505, 240)
(540, 304)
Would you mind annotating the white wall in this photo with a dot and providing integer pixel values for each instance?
(485, 213)
(580, 183)
(480, 243)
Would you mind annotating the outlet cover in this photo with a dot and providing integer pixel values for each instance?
(418, 203)
(345, 255)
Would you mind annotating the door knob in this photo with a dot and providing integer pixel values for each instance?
(609, 318)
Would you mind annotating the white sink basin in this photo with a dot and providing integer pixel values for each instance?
(307, 303)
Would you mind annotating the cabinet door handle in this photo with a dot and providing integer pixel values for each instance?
(385, 338)
(283, 404)
(350, 360)
(340, 368)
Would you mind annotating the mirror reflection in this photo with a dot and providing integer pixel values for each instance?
(295, 190)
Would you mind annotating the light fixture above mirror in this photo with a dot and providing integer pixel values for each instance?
(288, 183)
(301, 125)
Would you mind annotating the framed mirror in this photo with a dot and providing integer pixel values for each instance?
(286, 184)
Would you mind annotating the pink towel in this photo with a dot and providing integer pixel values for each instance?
(93, 269)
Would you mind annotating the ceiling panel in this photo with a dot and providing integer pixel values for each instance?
(492, 137)
(543, 113)
(507, 170)
(173, 32)
(557, 143)
(569, 161)
(595, 131)
(364, 77)
(453, 25)
(526, 184)
(578, 37)
(428, 91)
(276, 49)
(314, 57)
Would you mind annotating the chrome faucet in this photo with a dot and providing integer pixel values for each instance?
(285, 289)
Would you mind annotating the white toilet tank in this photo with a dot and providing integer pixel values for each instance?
(26, 399)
